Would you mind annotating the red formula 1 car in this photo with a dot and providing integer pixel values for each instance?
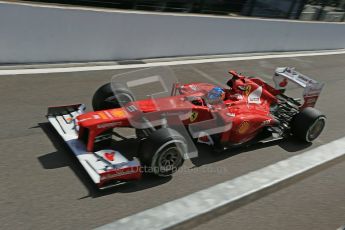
(247, 111)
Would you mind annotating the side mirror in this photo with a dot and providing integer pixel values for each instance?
(233, 73)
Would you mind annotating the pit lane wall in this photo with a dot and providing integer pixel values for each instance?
(30, 34)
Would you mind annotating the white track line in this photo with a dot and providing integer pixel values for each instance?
(198, 207)
(341, 228)
(166, 63)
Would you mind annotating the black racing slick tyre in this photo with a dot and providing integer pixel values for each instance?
(108, 97)
(308, 124)
(162, 152)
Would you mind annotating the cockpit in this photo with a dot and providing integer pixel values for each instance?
(207, 98)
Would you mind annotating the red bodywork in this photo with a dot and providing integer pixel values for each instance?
(125, 174)
(246, 109)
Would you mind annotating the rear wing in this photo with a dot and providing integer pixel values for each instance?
(312, 88)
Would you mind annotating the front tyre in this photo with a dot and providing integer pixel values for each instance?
(162, 152)
(308, 124)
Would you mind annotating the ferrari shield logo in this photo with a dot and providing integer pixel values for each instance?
(193, 116)
(247, 90)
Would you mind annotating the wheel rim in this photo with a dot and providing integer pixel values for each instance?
(316, 129)
(169, 160)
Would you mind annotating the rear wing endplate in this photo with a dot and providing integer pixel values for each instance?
(312, 88)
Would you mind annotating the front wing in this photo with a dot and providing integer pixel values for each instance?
(106, 167)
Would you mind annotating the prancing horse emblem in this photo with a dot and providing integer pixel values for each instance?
(193, 117)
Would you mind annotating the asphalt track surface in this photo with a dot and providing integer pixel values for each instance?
(44, 187)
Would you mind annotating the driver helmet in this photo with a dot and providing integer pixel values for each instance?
(216, 95)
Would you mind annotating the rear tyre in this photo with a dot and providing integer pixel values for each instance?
(162, 152)
(308, 124)
(108, 97)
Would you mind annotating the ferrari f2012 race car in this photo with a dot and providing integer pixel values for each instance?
(248, 110)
